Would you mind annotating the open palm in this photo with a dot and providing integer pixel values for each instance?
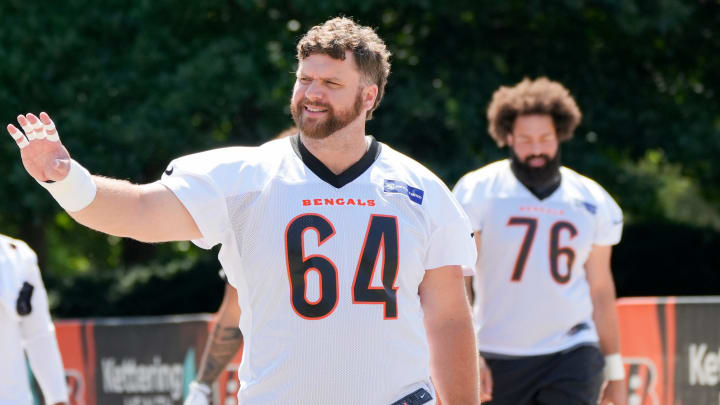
(43, 155)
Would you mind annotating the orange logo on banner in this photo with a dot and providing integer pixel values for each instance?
(641, 377)
(76, 386)
(647, 339)
(79, 377)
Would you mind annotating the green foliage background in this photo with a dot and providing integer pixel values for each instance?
(133, 84)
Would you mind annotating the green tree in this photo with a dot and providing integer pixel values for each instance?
(133, 84)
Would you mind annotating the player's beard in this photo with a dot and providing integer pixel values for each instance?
(539, 178)
(332, 123)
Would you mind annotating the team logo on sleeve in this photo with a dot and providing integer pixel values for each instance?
(395, 186)
(591, 208)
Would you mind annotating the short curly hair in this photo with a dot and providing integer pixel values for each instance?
(341, 34)
(540, 96)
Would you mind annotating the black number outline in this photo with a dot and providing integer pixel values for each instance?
(556, 251)
(554, 248)
(527, 243)
(298, 266)
(379, 226)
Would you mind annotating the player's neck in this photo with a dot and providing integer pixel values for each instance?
(341, 149)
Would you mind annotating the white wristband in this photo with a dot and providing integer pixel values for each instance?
(76, 191)
(614, 368)
(202, 388)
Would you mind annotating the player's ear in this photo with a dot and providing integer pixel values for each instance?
(369, 94)
(509, 140)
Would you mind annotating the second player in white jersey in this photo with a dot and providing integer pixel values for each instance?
(544, 293)
(551, 240)
(327, 267)
(26, 329)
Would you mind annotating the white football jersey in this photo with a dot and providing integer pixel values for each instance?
(327, 266)
(532, 296)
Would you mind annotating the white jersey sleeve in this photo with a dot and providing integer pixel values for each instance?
(469, 192)
(193, 179)
(38, 334)
(451, 241)
(609, 217)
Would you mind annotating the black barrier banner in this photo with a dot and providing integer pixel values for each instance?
(670, 346)
(671, 350)
(145, 362)
(697, 354)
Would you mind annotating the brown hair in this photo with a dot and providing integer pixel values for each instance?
(341, 34)
(540, 96)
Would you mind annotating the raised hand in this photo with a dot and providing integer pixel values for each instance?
(43, 155)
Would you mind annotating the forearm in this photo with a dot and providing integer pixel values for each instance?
(454, 361)
(605, 317)
(602, 293)
(223, 343)
(606, 321)
(114, 209)
(148, 212)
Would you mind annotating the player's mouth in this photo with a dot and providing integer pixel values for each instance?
(537, 161)
(314, 111)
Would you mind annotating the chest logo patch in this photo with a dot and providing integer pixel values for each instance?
(395, 186)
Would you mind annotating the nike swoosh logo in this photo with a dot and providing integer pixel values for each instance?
(170, 170)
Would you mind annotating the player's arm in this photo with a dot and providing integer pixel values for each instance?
(149, 213)
(225, 339)
(448, 323)
(486, 383)
(602, 291)
(38, 337)
(223, 344)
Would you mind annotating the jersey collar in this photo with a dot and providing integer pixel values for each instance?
(325, 174)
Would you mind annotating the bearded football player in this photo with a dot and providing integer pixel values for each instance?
(346, 254)
(544, 297)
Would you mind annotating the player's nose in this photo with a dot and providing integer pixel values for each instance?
(313, 91)
(536, 148)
